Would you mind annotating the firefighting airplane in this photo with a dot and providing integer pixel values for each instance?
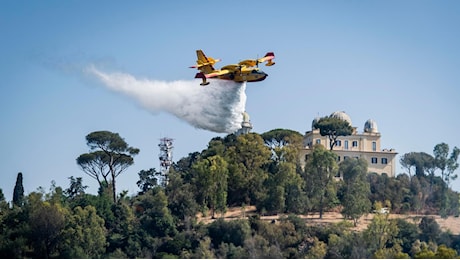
(247, 70)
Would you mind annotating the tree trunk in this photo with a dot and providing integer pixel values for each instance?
(112, 172)
(114, 193)
(321, 206)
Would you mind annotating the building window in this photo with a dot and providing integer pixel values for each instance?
(338, 143)
(346, 144)
(345, 157)
(318, 141)
(338, 158)
(374, 160)
(354, 144)
(384, 161)
(374, 146)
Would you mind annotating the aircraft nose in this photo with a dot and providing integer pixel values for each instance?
(261, 76)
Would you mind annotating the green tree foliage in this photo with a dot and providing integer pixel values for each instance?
(2, 196)
(229, 232)
(429, 193)
(430, 229)
(442, 252)
(123, 230)
(284, 144)
(380, 237)
(320, 169)
(46, 221)
(295, 196)
(407, 235)
(287, 193)
(84, 234)
(318, 250)
(281, 236)
(147, 180)
(420, 194)
(422, 250)
(284, 178)
(18, 193)
(261, 170)
(452, 203)
(76, 189)
(184, 166)
(183, 244)
(181, 198)
(110, 156)
(391, 253)
(333, 127)
(286, 135)
(247, 157)
(342, 243)
(258, 247)
(355, 200)
(14, 230)
(211, 181)
(421, 161)
(447, 164)
(400, 200)
(397, 191)
(230, 251)
(102, 202)
(216, 146)
(3, 205)
(204, 250)
(153, 214)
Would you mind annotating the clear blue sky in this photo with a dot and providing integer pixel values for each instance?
(396, 62)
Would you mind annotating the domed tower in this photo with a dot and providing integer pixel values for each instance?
(370, 126)
(342, 115)
(365, 145)
(246, 125)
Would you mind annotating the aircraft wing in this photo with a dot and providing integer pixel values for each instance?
(248, 63)
(231, 67)
(213, 74)
(203, 63)
(216, 73)
(267, 58)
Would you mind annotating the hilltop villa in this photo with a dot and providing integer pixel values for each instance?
(359, 145)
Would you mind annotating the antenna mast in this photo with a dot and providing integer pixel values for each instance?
(165, 156)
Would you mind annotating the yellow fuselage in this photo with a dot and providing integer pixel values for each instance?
(243, 74)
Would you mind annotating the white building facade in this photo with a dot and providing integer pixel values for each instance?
(364, 145)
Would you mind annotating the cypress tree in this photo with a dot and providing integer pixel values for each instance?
(18, 194)
(2, 196)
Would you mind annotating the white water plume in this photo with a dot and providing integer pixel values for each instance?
(217, 107)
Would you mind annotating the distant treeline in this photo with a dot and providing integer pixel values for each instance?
(251, 169)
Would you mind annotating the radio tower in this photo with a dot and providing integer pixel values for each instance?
(165, 156)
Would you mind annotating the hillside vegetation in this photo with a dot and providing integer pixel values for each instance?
(243, 196)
